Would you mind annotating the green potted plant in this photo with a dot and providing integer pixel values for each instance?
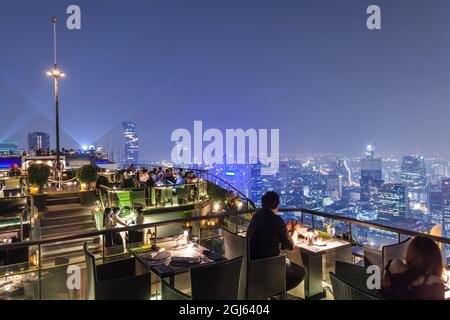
(186, 215)
(38, 175)
(87, 175)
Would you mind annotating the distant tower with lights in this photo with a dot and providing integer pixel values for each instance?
(371, 174)
(131, 152)
(38, 141)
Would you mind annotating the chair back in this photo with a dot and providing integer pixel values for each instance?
(136, 287)
(237, 246)
(343, 290)
(372, 256)
(170, 293)
(393, 251)
(354, 275)
(216, 281)
(91, 272)
(266, 278)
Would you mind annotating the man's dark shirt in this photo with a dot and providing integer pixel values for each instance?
(266, 232)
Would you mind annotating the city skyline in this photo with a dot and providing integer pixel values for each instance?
(317, 75)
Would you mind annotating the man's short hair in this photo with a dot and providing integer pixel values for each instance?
(270, 200)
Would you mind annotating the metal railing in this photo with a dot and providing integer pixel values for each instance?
(238, 224)
(156, 196)
(38, 272)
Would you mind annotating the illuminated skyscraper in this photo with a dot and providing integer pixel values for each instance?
(391, 202)
(344, 171)
(131, 152)
(371, 175)
(435, 207)
(259, 184)
(38, 141)
(446, 206)
(413, 174)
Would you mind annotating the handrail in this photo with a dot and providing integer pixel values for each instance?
(122, 229)
(146, 187)
(223, 215)
(204, 171)
(232, 187)
(368, 224)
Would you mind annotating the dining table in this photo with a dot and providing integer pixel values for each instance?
(168, 259)
(312, 256)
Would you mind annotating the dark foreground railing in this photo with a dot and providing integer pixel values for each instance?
(40, 272)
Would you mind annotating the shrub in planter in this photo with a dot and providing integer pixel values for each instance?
(38, 175)
(88, 175)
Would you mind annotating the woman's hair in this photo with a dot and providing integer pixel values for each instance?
(424, 258)
(107, 211)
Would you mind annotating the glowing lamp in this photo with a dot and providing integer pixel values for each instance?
(216, 207)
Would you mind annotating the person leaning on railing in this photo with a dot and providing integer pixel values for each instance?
(419, 277)
(267, 231)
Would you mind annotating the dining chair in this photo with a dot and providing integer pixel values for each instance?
(255, 284)
(215, 281)
(354, 275)
(343, 290)
(116, 280)
(237, 246)
(387, 253)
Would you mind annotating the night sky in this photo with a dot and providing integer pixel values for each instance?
(310, 68)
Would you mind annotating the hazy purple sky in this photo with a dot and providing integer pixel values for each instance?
(310, 68)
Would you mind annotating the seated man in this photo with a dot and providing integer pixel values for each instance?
(267, 231)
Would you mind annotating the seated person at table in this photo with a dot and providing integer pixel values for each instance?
(127, 179)
(419, 277)
(267, 231)
(144, 177)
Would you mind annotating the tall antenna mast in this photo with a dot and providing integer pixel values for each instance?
(54, 40)
(56, 74)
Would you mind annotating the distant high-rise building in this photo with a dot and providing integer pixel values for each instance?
(288, 183)
(8, 148)
(343, 170)
(38, 141)
(446, 207)
(131, 152)
(413, 174)
(259, 184)
(435, 207)
(371, 175)
(391, 201)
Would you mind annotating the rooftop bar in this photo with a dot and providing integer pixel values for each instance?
(186, 229)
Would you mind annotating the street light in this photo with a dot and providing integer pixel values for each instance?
(56, 74)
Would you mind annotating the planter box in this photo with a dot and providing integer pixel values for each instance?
(40, 200)
(88, 198)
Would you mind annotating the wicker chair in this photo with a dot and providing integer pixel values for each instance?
(116, 280)
(168, 292)
(354, 275)
(255, 284)
(343, 290)
(218, 281)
